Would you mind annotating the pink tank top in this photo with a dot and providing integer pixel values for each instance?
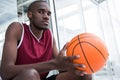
(31, 50)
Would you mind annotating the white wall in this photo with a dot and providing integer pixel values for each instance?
(73, 17)
(8, 14)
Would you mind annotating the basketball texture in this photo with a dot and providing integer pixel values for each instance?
(92, 50)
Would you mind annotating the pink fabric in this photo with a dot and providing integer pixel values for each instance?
(33, 51)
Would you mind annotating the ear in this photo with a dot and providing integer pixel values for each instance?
(29, 14)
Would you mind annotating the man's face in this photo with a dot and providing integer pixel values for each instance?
(40, 15)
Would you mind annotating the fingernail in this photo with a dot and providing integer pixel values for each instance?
(82, 74)
(84, 66)
(78, 56)
(85, 72)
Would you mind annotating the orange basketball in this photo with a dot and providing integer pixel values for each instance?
(92, 50)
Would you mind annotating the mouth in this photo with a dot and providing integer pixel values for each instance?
(46, 22)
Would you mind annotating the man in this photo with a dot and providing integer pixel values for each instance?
(29, 49)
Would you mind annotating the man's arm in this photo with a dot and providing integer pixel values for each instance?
(10, 70)
(66, 74)
(10, 49)
(55, 49)
(8, 67)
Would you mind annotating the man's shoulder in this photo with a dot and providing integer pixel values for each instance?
(15, 25)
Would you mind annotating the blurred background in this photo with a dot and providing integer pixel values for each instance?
(72, 17)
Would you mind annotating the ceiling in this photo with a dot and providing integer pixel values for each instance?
(10, 9)
(7, 10)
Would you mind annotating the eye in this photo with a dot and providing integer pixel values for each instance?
(41, 11)
(49, 13)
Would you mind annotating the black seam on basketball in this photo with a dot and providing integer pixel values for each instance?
(82, 48)
(85, 55)
(93, 45)
(96, 49)
(71, 43)
(81, 38)
(74, 49)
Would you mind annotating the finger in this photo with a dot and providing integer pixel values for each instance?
(79, 65)
(67, 43)
(65, 47)
(62, 52)
(74, 57)
(81, 73)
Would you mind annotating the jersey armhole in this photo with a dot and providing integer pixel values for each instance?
(20, 42)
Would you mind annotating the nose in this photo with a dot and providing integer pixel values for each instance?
(46, 16)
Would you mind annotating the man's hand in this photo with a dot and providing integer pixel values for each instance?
(63, 62)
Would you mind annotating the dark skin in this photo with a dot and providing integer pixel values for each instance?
(39, 15)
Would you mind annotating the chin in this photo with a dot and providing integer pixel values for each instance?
(42, 28)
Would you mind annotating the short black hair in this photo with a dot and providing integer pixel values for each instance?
(34, 2)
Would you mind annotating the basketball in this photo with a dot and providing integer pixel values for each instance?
(92, 50)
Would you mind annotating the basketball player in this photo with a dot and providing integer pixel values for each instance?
(29, 49)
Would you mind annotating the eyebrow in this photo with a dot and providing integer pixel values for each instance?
(45, 10)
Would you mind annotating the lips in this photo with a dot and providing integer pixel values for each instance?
(46, 22)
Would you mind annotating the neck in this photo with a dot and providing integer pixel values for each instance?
(37, 33)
